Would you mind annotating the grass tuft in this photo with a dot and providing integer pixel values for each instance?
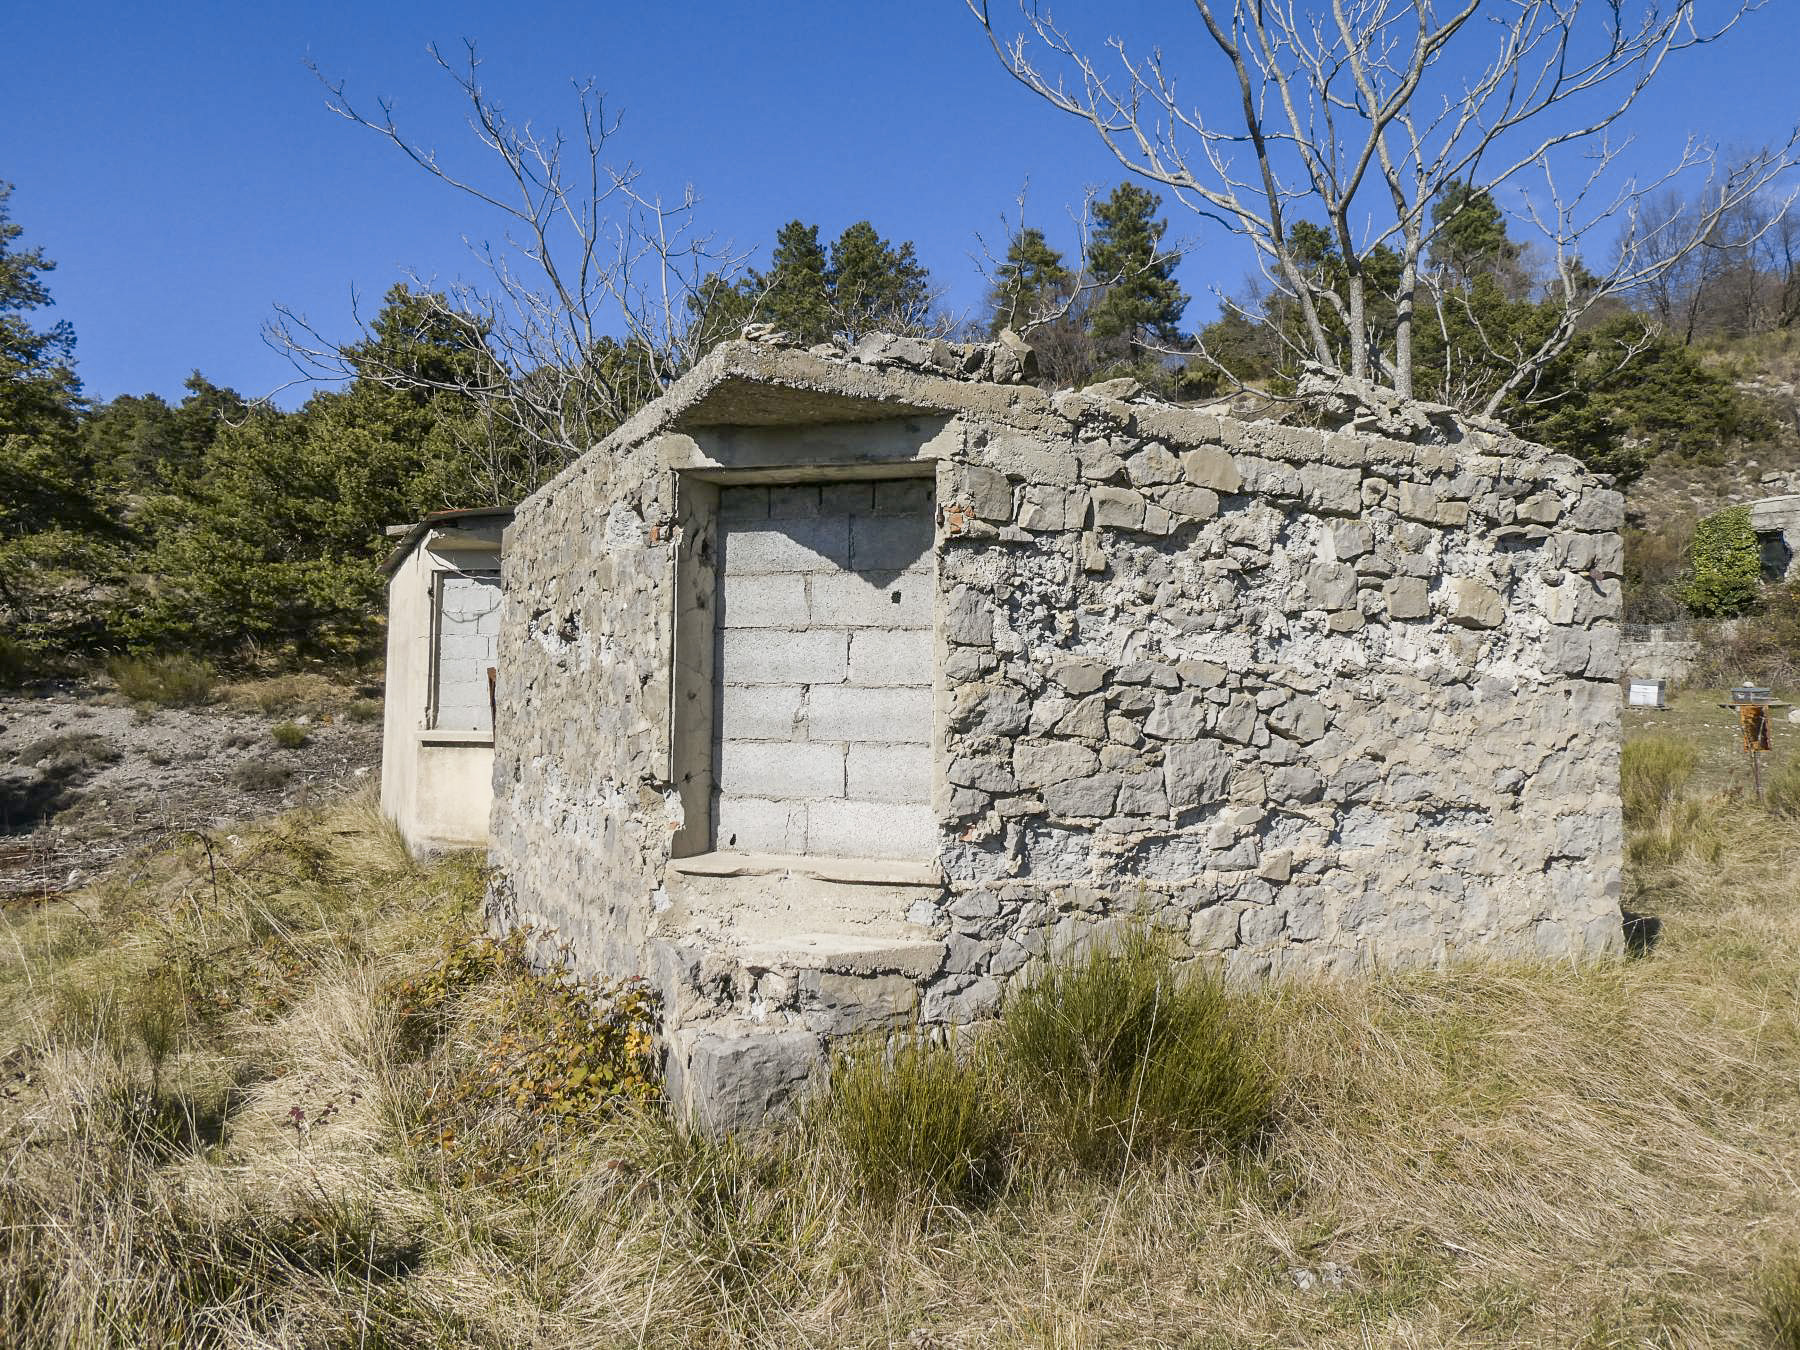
(1122, 1054)
(1654, 771)
(1782, 795)
(288, 735)
(1780, 1298)
(165, 681)
(917, 1121)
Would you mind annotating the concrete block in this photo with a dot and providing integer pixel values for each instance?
(796, 502)
(845, 829)
(763, 602)
(888, 773)
(738, 504)
(896, 543)
(780, 771)
(836, 499)
(904, 496)
(890, 659)
(758, 825)
(855, 600)
(821, 544)
(782, 656)
(869, 713)
(762, 712)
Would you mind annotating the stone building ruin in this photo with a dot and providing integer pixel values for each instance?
(836, 688)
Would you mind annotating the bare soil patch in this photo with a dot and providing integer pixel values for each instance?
(87, 778)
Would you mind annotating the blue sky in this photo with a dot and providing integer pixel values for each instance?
(179, 164)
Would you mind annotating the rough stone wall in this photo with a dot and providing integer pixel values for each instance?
(1312, 700)
(1316, 701)
(583, 810)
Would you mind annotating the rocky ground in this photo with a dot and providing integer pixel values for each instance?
(87, 778)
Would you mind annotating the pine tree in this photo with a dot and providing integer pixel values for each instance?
(875, 287)
(796, 296)
(39, 391)
(59, 542)
(1142, 303)
(1031, 284)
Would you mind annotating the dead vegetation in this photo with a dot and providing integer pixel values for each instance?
(254, 1095)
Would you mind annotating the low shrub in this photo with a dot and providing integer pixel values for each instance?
(550, 1048)
(1126, 1054)
(288, 735)
(1781, 1302)
(74, 753)
(166, 681)
(16, 663)
(1653, 773)
(364, 710)
(915, 1120)
(259, 775)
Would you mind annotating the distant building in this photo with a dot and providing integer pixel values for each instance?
(437, 751)
(1776, 521)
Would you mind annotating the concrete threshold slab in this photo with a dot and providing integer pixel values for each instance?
(846, 871)
(844, 952)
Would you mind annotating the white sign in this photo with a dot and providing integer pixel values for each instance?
(1645, 694)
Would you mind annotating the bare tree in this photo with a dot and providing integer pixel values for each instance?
(1356, 112)
(592, 299)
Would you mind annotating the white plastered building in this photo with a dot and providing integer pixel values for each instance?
(437, 756)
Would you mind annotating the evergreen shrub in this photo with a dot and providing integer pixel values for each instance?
(1727, 565)
(288, 735)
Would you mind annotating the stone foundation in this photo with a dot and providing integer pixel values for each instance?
(1313, 701)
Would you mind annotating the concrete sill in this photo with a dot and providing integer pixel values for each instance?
(848, 871)
(456, 738)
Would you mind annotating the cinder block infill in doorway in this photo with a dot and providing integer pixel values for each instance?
(822, 670)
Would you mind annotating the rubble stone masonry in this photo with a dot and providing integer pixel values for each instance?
(1309, 700)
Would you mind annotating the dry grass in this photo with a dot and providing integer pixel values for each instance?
(1492, 1156)
(290, 695)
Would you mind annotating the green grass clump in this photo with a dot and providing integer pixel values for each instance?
(1782, 796)
(1653, 773)
(1781, 1302)
(166, 681)
(914, 1120)
(1126, 1055)
(364, 710)
(288, 735)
